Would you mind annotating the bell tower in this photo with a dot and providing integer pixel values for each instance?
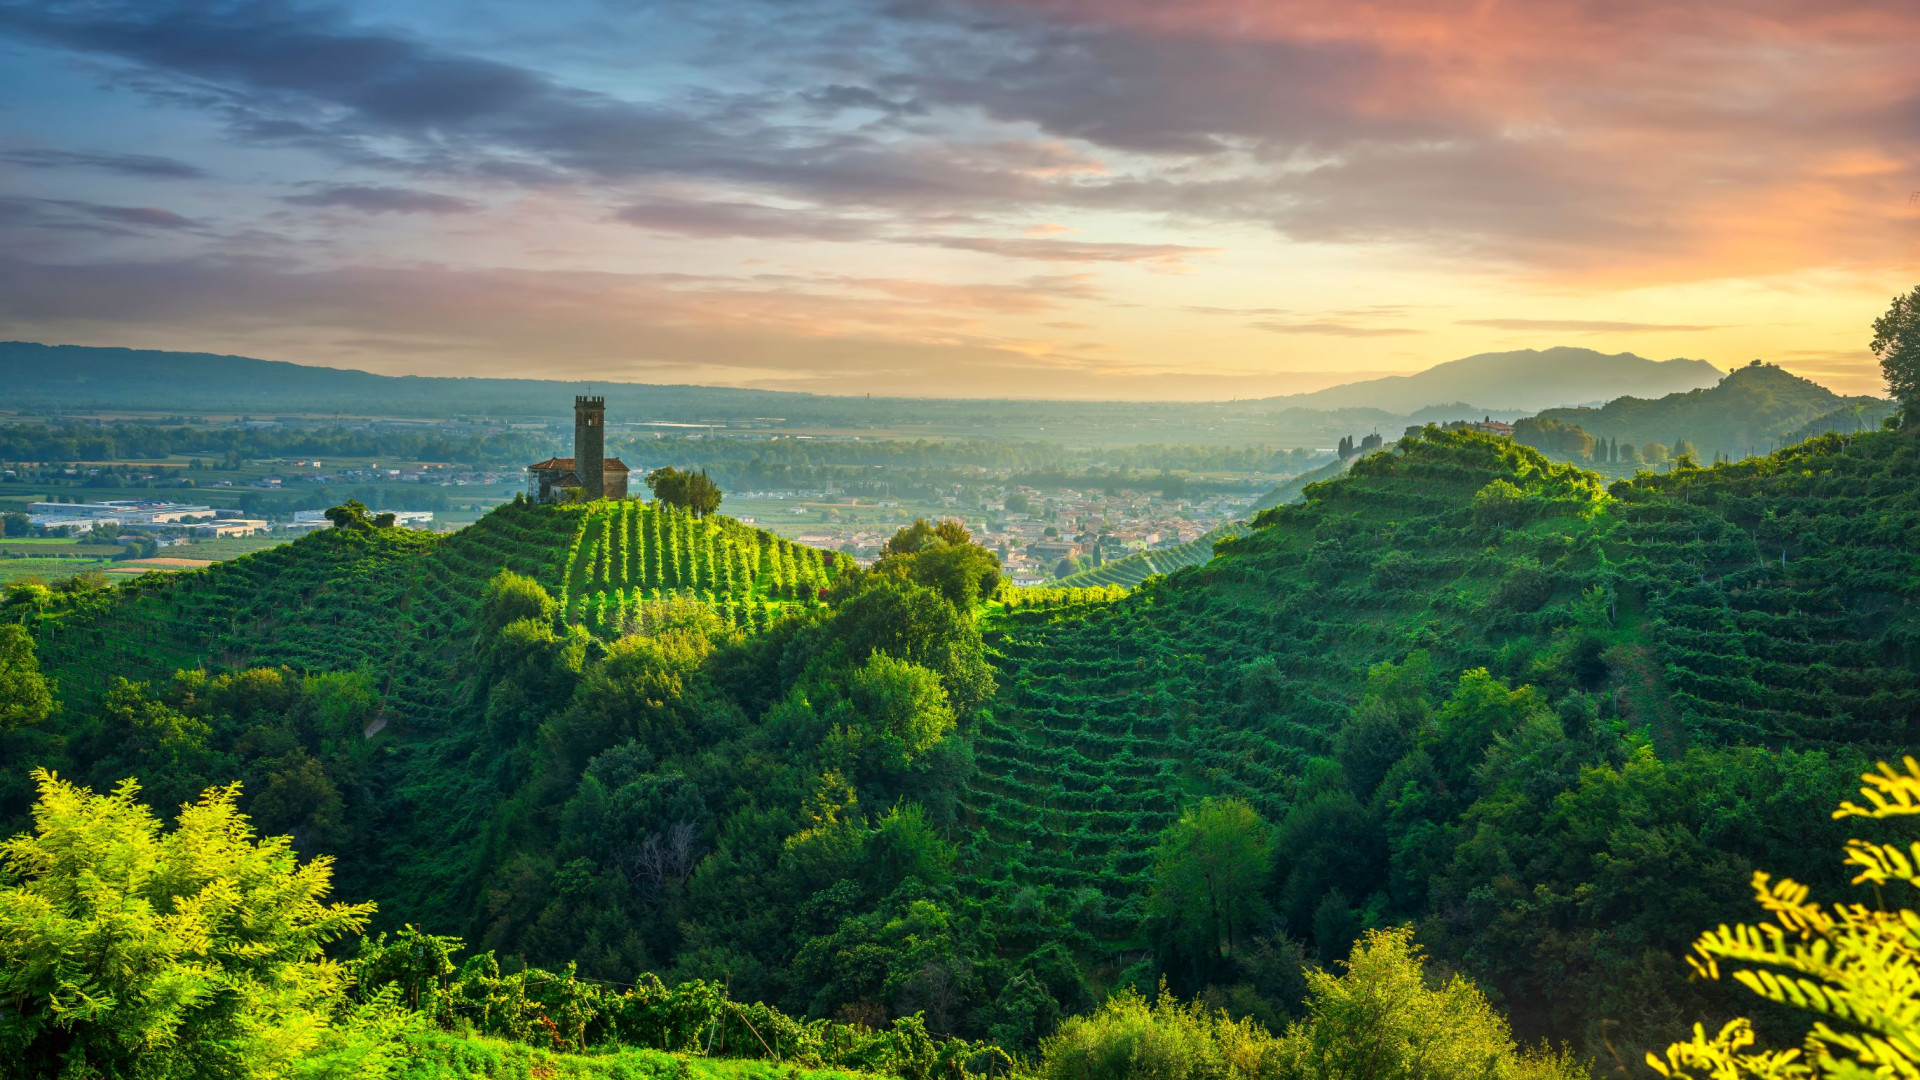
(590, 445)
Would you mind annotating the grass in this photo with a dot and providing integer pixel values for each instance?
(225, 547)
(48, 570)
(40, 543)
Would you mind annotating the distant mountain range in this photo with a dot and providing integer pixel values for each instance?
(1525, 380)
(37, 378)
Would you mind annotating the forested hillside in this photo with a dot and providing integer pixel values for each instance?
(1552, 725)
(1751, 411)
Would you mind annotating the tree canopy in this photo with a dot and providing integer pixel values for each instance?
(1210, 872)
(690, 490)
(127, 949)
(1896, 344)
(25, 697)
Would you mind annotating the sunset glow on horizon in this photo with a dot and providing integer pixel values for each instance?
(1045, 198)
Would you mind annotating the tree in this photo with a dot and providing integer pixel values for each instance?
(899, 706)
(1856, 964)
(1381, 1020)
(1554, 437)
(944, 558)
(24, 695)
(351, 514)
(127, 950)
(1896, 343)
(693, 491)
(703, 495)
(510, 597)
(1209, 872)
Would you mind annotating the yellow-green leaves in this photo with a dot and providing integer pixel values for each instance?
(1893, 794)
(127, 946)
(1855, 966)
(1382, 1020)
(1728, 1056)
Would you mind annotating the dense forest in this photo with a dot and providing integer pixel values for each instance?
(1461, 709)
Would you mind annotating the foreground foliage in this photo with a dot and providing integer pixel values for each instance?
(1856, 967)
(1379, 1019)
(129, 951)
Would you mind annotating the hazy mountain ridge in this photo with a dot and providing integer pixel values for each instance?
(1522, 379)
(1752, 410)
(79, 378)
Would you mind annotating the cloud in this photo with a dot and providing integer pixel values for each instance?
(835, 97)
(887, 334)
(384, 200)
(1162, 255)
(1552, 146)
(1334, 329)
(144, 166)
(716, 220)
(1638, 148)
(1589, 326)
(1235, 311)
(280, 74)
(80, 216)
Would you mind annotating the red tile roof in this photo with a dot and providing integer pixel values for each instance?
(565, 464)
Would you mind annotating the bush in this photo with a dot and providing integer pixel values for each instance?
(510, 597)
(1130, 1039)
(129, 951)
(1380, 1020)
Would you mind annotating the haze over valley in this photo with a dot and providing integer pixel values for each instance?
(964, 540)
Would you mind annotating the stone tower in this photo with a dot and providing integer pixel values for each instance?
(590, 445)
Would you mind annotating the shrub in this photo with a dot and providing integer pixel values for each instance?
(126, 950)
(1129, 1038)
(1380, 1020)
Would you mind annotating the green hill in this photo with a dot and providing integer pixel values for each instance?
(392, 600)
(1133, 569)
(1751, 411)
(1554, 725)
(1714, 642)
(1851, 419)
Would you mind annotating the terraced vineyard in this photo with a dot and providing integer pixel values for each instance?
(1141, 565)
(626, 554)
(1769, 603)
(398, 602)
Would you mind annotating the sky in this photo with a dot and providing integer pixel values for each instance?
(1126, 199)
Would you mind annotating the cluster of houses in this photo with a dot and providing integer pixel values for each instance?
(1065, 524)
